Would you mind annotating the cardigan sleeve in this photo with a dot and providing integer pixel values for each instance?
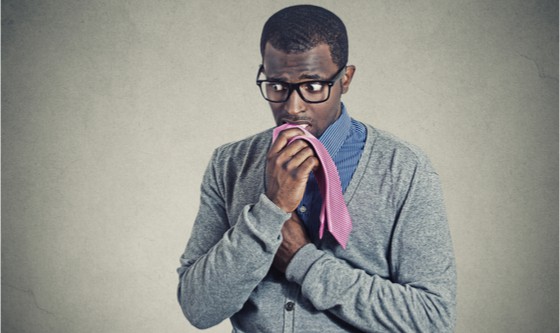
(419, 296)
(223, 262)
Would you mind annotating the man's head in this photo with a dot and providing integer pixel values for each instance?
(305, 44)
(300, 28)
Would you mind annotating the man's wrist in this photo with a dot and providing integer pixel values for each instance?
(270, 204)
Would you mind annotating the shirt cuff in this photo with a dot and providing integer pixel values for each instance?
(263, 221)
(301, 263)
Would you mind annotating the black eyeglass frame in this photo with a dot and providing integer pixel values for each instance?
(295, 86)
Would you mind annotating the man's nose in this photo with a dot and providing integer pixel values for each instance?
(295, 104)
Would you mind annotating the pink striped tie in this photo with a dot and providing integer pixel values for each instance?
(333, 210)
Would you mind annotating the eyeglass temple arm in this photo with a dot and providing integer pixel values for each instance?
(261, 67)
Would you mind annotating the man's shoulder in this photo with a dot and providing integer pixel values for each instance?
(401, 153)
(255, 144)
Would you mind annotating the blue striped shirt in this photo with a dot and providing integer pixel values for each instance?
(344, 140)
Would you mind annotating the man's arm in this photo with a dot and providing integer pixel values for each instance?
(420, 294)
(222, 265)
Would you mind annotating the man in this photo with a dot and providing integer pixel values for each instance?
(255, 254)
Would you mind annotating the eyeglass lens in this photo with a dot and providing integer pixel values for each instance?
(309, 91)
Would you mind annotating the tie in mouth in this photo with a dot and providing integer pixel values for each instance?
(301, 123)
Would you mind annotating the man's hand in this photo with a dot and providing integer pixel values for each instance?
(288, 168)
(294, 238)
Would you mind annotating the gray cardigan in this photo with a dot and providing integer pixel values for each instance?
(396, 275)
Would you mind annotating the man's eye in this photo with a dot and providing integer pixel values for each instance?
(314, 86)
(277, 87)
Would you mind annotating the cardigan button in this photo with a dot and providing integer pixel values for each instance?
(289, 306)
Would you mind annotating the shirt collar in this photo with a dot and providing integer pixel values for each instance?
(335, 135)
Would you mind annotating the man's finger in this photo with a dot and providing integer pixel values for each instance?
(283, 139)
(300, 157)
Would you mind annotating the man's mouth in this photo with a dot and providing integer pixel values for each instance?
(302, 123)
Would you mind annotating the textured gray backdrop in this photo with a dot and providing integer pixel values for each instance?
(111, 109)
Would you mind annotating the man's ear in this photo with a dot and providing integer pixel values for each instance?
(347, 78)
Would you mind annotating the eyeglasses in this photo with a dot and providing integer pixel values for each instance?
(316, 91)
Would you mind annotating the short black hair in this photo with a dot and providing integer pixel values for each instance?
(300, 28)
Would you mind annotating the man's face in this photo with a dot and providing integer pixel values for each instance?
(315, 64)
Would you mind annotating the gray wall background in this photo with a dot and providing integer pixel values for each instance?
(111, 109)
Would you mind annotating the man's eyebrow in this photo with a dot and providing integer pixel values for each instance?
(272, 78)
(301, 77)
(310, 77)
